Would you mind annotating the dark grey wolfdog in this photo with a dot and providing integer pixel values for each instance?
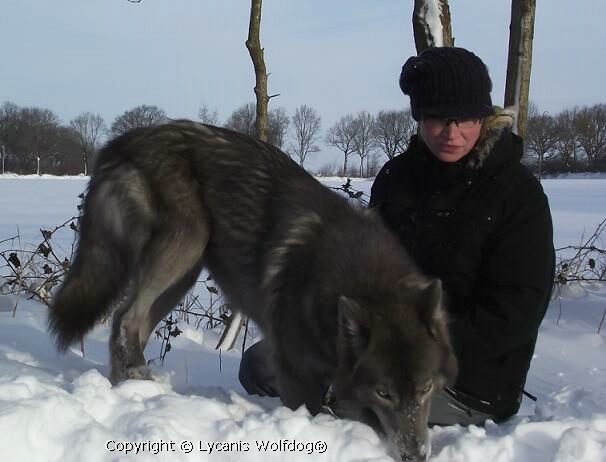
(334, 293)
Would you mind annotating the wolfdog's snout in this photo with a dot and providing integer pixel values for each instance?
(420, 453)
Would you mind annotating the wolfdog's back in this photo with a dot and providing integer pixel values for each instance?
(255, 197)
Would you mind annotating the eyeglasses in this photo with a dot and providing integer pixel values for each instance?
(443, 122)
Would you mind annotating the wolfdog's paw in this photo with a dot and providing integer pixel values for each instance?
(120, 373)
(139, 373)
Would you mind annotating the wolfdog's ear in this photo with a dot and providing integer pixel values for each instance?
(353, 327)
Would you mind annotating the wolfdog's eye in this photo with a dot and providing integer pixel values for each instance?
(426, 389)
(383, 393)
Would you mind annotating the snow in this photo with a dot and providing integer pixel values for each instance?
(62, 407)
(430, 13)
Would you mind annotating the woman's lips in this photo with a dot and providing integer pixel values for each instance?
(449, 147)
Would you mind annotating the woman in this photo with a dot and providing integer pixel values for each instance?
(472, 215)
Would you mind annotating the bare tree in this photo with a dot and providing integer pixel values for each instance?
(392, 131)
(431, 24)
(540, 137)
(9, 120)
(342, 136)
(65, 156)
(140, 116)
(253, 44)
(519, 61)
(39, 128)
(88, 128)
(590, 125)
(306, 122)
(278, 126)
(242, 120)
(566, 142)
(363, 126)
(207, 116)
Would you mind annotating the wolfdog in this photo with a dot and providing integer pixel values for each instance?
(341, 303)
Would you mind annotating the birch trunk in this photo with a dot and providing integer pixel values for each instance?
(519, 61)
(431, 24)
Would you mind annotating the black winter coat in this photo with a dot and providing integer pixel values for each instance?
(483, 226)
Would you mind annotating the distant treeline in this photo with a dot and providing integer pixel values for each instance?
(34, 140)
(573, 140)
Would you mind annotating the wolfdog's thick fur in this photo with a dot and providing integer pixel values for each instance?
(333, 291)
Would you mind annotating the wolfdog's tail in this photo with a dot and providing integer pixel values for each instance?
(109, 244)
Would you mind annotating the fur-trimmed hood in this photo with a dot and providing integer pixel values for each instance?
(492, 128)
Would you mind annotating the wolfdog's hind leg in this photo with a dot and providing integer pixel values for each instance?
(168, 300)
(170, 263)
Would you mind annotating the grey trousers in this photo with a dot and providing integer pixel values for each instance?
(447, 410)
(258, 378)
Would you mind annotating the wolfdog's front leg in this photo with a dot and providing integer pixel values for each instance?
(296, 389)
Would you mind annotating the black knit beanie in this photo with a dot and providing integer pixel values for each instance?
(448, 82)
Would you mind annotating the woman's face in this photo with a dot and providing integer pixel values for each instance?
(450, 139)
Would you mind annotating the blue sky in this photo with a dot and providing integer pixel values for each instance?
(339, 56)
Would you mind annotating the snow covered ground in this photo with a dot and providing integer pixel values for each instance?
(62, 407)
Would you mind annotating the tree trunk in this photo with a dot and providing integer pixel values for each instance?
(256, 54)
(519, 61)
(431, 24)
